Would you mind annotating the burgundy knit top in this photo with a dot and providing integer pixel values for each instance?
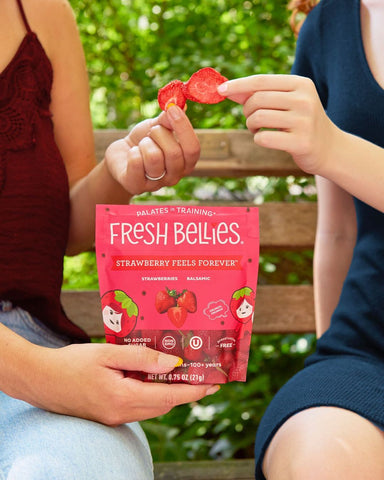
(34, 193)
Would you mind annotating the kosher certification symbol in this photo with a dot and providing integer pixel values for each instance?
(195, 342)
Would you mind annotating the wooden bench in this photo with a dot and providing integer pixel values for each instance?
(283, 226)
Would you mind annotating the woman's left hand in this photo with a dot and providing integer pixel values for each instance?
(157, 152)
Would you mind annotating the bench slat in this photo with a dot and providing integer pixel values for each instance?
(288, 226)
(224, 153)
(278, 309)
(207, 470)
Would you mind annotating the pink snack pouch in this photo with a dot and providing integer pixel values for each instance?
(181, 280)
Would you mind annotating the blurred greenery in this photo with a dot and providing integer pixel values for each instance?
(134, 47)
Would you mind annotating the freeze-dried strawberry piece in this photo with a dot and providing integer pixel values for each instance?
(202, 86)
(172, 93)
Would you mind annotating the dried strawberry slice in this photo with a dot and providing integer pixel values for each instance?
(202, 86)
(172, 93)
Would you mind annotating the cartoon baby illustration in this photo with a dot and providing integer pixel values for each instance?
(242, 304)
(119, 314)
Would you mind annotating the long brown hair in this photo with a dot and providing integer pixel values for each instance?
(300, 8)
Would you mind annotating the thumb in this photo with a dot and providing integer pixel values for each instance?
(164, 120)
(137, 358)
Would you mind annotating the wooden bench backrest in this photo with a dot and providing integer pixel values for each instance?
(285, 226)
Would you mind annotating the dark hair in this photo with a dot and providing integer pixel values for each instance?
(299, 7)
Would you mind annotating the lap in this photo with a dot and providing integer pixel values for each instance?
(37, 444)
(326, 443)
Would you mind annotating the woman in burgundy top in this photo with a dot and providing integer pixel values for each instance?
(49, 185)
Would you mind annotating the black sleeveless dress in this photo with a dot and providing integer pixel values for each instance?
(347, 369)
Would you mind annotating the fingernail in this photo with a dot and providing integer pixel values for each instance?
(174, 111)
(222, 88)
(213, 390)
(169, 361)
(180, 362)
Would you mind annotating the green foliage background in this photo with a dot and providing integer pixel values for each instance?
(133, 47)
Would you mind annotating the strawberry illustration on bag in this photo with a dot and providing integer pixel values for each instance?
(187, 299)
(165, 299)
(119, 314)
(177, 315)
(176, 304)
(242, 304)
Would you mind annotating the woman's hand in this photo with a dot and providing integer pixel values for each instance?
(284, 112)
(164, 148)
(157, 152)
(88, 381)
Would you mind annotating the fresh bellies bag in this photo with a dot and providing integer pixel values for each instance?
(181, 280)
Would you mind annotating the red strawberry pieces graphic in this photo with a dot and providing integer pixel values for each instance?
(176, 304)
(216, 376)
(192, 349)
(172, 93)
(187, 299)
(190, 353)
(238, 372)
(210, 339)
(202, 86)
(177, 315)
(165, 299)
(226, 358)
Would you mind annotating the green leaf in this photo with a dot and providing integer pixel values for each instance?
(243, 292)
(127, 303)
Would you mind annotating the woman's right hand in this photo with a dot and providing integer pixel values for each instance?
(88, 381)
(284, 112)
(165, 147)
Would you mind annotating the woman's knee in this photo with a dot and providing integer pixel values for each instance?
(68, 448)
(325, 443)
(56, 467)
(100, 452)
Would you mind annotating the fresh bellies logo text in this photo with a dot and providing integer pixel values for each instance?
(174, 233)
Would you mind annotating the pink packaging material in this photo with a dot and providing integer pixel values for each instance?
(181, 280)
